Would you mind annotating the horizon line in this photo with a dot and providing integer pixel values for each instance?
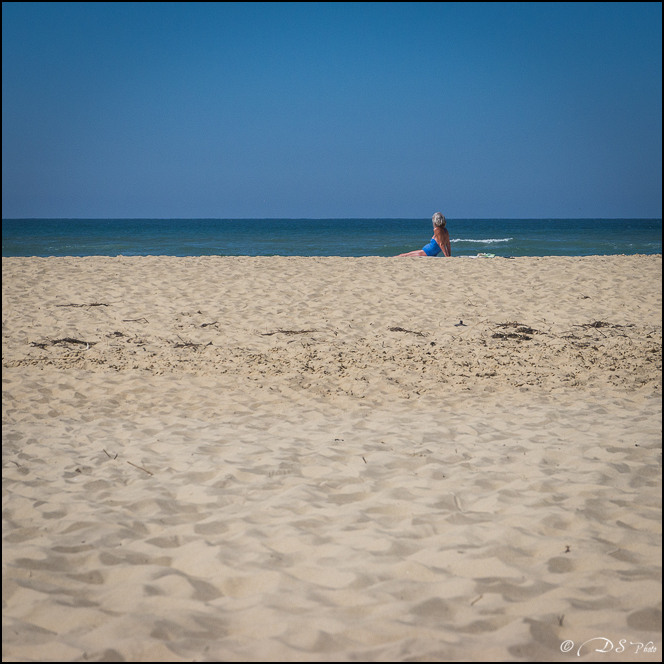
(659, 218)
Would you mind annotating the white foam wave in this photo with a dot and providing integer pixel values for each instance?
(490, 240)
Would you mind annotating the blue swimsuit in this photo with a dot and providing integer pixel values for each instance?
(432, 249)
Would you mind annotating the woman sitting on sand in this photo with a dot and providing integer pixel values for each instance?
(439, 242)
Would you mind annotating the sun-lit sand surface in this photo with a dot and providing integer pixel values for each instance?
(331, 459)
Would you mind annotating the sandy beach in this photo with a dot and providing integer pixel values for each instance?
(332, 459)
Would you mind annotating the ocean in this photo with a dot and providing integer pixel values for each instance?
(326, 237)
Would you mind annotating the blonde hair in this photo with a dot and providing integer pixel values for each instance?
(439, 220)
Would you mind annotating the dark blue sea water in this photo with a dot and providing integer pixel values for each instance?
(326, 237)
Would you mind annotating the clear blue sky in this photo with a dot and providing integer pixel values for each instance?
(166, 110)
